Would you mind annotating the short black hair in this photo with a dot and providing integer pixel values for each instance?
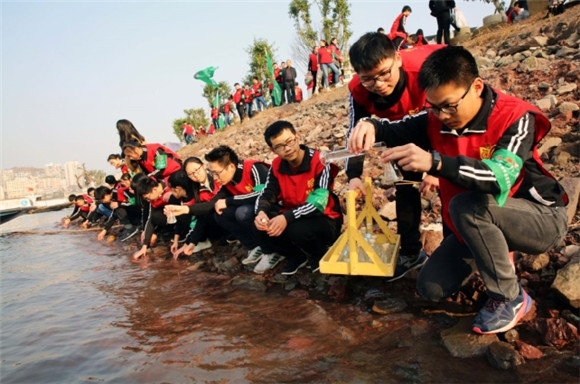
(406, 8)
(90, 189)
(223, 155)
(111, 180)
(275, 129)
(180, 179)
(451, 64)
(369, 50)
(380, 30)
(114, 156)
(72, 197)
(145, 185)
(100, 192)
(125, 176)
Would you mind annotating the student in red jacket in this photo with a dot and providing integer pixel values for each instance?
(155, 160)
(313, 68)
(248, 98)
(326, 61)
(398, 33)
(385, 85)
(241, 182)
(258, 90)
(496, 195)
(297, 213)
(238, 99)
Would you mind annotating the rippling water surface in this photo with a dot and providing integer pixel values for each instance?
(74, 310)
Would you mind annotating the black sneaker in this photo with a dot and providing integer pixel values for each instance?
(129, 232)
(405, 264)
(293, 264)
(313, 264)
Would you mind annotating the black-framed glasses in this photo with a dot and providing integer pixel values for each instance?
(288, 144)
(218, 173)
(381, 77)
(449, 109)
(194, 171)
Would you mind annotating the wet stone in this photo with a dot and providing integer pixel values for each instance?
(512, 335)
(248, 283)
(535, 262)
(503, 356)
(528, 352)
(386, 306)
(460, 340)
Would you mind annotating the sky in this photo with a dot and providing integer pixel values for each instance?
(71, 69)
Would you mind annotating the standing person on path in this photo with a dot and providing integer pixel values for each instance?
(496, 195)
(259, 94)
(326, 62)
(313, 68)
(289, 81)
(238, 100)
(441, 10)
(385, 85)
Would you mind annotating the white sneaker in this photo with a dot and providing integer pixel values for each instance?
(202, 245)
(254, 256)
(268, 261)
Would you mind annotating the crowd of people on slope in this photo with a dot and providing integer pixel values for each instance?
(445, 128)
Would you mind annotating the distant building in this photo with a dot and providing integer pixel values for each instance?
(72, 169)
(53, 170)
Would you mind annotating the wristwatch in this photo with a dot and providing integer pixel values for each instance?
(436, 161)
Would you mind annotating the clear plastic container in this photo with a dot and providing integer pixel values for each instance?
(327, 157)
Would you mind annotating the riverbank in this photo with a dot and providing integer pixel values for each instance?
(536, 60)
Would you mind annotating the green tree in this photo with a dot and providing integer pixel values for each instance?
(223, 91)
(334, 20)
(195, 117)
(258, 63)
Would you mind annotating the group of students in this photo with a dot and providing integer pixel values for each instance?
(476, 145)
(286, 210)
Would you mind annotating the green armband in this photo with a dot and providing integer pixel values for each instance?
(506, 166)
(193, 222)
(318, 198)
(160, 161)
(259, 187)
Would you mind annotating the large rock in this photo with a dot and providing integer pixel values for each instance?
(460, 340)
(566, 87)
(502, 355)
(567, 282)
(568, 106)
(572, 187)
(548, 144)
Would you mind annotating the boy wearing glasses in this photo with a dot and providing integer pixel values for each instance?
(386, 86)
(496, 195)
(241, 182)
(297, 213)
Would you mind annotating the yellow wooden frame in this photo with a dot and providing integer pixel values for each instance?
(335, 262)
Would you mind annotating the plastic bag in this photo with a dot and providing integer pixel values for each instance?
(308, 78)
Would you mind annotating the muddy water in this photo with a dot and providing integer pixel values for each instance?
(77, 311)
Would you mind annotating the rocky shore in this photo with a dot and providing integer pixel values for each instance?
(537, 60)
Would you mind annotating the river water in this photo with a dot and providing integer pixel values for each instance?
(77, 311)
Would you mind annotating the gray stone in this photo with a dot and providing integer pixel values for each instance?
(543, 86)
(543, 104)
(460, 340)
(530, 62)
(484, 62)
(553, 99)
(518, 57)
(248, 283)
(567, 282)
(535, 262)
(572, 187)
(388, 211)
(541, 40)
(565, 51)
(512, 335)
(568, 106)
(490, 53)
(503, 61)
(572, 251)
(502, 355)
(567, 87)
(548, 144)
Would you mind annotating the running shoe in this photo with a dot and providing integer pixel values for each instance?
(405, 264)
(500, 316)
(268, 261)
(254, 256)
